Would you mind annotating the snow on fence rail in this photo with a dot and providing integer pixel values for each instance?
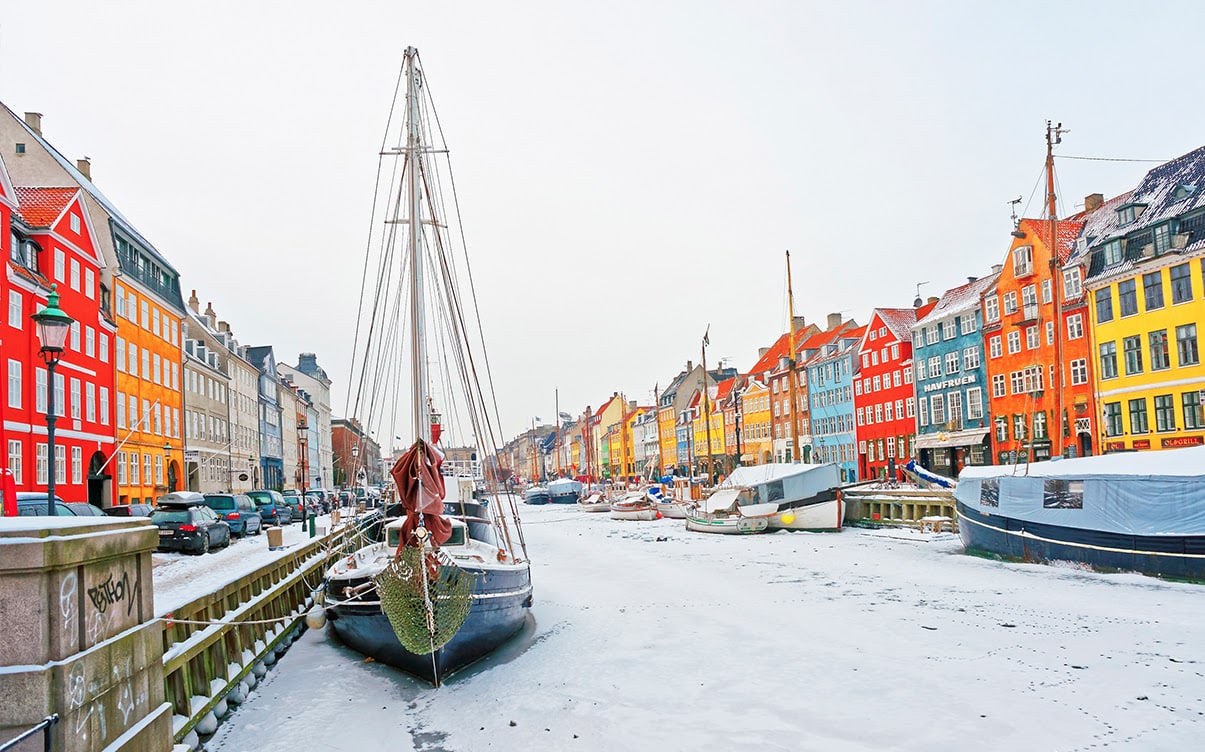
(877, 503)
(216, 647)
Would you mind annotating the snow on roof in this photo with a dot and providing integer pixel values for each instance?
(1068, 231)
(41, 207)
(898, 321)
(849, 336)
(1183, 463)
(959, 299)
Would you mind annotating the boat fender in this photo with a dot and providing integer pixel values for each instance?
(502, 554)
(787, 518)
(316, 618)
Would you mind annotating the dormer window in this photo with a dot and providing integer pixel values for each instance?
(1162, 237)
(1112, 252)
(1129, 213)
(1183, 192)
(1023, 261)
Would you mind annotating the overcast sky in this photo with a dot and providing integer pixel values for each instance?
(629, 172)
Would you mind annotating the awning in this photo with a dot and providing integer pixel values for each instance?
(946, 439)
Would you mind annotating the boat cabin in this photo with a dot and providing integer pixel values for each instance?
(393, 533)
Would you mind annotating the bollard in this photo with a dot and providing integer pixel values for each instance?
(311, 526)
(276, 537)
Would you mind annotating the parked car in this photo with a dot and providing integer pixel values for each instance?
(84, 509)
(239, 512)
(33, 504)
(324, 498)
(130, 510)
(189, 526)
(271, 506)
(294, 500)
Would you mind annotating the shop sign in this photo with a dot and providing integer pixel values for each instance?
(949, 383)
(1142, 443)
(1115, 446)
(1182, 441)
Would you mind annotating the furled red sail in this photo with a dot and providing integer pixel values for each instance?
(421, 491)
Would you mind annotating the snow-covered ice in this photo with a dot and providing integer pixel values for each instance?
(649, 637)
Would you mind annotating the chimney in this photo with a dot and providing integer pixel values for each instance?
(224, 327)
(798, 322)
(193, 303)
(85, 167)
(1093, 201)
(211, 318)
(971, 279)
(997, 268)
(932, 299)
(834, 321)
(34, 121)
(690, 366)
(761, 352)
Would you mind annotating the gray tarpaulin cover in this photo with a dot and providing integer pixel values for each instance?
(1139, 493)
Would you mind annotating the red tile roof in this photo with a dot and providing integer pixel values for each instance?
(40, 207)
(776, 352)
(1067, 229)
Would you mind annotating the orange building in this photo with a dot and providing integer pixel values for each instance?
(1023, 346)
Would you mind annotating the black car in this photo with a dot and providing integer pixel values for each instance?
(84, 509)
(192, 528)
(130, 510)
(272, 507)
(36, 507)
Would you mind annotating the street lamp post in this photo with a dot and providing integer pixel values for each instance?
(303, 441)
(53, 325)
(254, 471)
(355, 466)
(167, 467)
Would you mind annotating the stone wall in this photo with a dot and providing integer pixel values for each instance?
(80, 638)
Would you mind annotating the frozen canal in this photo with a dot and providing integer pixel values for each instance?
(647, 637)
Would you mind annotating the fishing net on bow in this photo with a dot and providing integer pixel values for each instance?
(425, 600)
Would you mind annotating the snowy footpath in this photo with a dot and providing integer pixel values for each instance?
(647, 637)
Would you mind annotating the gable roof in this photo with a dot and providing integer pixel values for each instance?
(778, 351)
(7, 194)
(42, 207)
(958, 300)
(898, 321)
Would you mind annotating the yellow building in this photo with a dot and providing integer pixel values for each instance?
(148, 357)
(757, 441)
(607, 420)
(1146, 288)
(698, 428)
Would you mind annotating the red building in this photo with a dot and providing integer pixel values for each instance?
(52, 242)
(884, 396)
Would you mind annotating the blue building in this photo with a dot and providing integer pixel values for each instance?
(271, 445)
(830, 379)
(950, 373)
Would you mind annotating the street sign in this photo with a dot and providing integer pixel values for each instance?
(192, 455)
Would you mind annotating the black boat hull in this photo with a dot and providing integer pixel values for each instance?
(500, 604)
(1177, 556)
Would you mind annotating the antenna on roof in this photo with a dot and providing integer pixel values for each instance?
(1014, 203)
(919, 301)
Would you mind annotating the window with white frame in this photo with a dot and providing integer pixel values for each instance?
(1014, 342)
(1032, 339)
(90, 283)
(991, 309)
(910, 405)
(952, 364)
(41, 464)
(970, 358)
(14, 383)
(77, 465)
(75, 275)
(994, 348)
(974, 403)
(15, 461)
(967, 323)
(1010, 302)
(1072, 285)
(1050, 332)
(90, 342)
(104, 406)
(921, 370)
(1075, 326)
(1079, 371)
(134, 473)
(908, 374)
(932, 334)
(60, 464)
(998, 388)
(60, 264)
(146, 469)
(888, 412)
(15, 318)
(1029, 301)
(949, 329)
(1046, 291)
(90, 402)
(146, 316)
(935, 367)
(1022, 261)
(75, 398)
(954, 405)
(937, 408)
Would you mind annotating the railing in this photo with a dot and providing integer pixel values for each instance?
(46, 726)
(904, 507)
(212, 643)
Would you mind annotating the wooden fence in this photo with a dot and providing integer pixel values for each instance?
(897, 506)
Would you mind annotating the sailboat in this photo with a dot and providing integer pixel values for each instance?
(450, 582)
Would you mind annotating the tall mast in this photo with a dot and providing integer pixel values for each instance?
(791, 363)
(707, 406)
(414, 156)
(623, 438)
(587, 445)
(1053, 136)
(557, 393)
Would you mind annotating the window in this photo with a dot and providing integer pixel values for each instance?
(1132, 348)
(90, 283)
(134, 458)
(858, 387)
(1032, 339)
(133, 371)
(1039, 424)
(1165, 413)
(158, 470)
(1014, 342)
(146, 469)
(75, 328)
(75, 269)
(1193, 417)
(937, 407)
(132, 308)
(158, 369)
(874, 359)
(90, 406)
(895, 378)
(77, 465)
(949, 329)
(104, 348)
(921, 371)
(1181, 284)
(14, 383)
(146, 316)
(14, 460)
(910, 406)
(1020, 430)
(907, 375)
(1075, 326)
(994, 348)
(1032, 379)
(888, 412)
(15, 318)
(974, 403)
(878, 384)
(955, 406)
(121, 468)
(1112, 252)
(1127, 297)
(1162, 237)
(1104, 305)
(1138, 422)
(1072, 284)
(952, 362)
(1016, 382)
(1079, 371)
(75, 398)
(918, 339)
(860, 417)
(60, 264)
(991, 309)
(923, 418)
(967, 324)
(155, 322)
(1050, 332)
(104, 406)
(60, 394)
(90, 342)
(1029, 301)
(1046, 290)
(1108, 360)
(1186, 345)
(895, 352)
(135, 418)
(121, 408)
(146, 363)
(935, 367)
(1001, 429)
(998, 388)
(42, 463)
(1152, 290)
(60, 464)
(1023, 261)
(1010, 302)
(970, 358)
(1160, 355)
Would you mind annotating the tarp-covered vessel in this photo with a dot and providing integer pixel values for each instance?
(776, 496)
(1141, 511)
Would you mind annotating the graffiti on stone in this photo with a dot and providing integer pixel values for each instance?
(113, 591)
